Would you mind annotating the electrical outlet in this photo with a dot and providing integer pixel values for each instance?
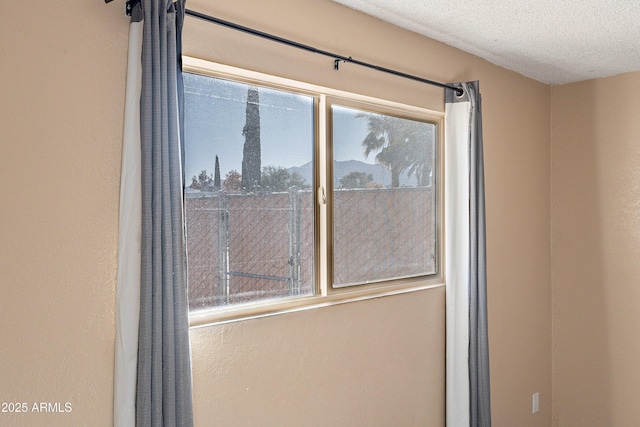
(535, 403)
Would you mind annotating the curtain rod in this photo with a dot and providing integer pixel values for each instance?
(337, 58)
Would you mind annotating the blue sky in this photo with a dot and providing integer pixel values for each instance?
(215, 116)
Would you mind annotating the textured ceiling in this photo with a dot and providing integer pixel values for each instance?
(552, 41)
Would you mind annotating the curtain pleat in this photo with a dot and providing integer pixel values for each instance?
(478, 325)
(128, 279)
(163, 396)
(456, 194)
(468, 385)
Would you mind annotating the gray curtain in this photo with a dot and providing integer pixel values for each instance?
(163, 395)
(480, 396)
(479, 384)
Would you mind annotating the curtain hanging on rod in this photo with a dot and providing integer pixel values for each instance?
(152, 384)
(467, 377)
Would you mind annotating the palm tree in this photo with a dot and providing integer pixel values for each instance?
(423, 162)
(402, 145)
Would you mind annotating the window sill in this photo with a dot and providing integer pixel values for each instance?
(237, 313)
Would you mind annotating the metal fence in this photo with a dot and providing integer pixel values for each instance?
(382, 234)
(245, 247)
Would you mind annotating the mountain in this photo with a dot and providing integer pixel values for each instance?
(381, 174)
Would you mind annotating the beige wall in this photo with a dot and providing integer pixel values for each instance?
(378, 362)
(61, 97)
(596, 242)
(517, 162)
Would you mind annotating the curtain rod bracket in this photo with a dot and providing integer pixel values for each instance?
(336, 62)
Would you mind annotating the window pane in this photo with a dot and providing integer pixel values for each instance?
(249, 199)
(384, 213)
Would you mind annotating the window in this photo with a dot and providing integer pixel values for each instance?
(249, 203)
(295, 194)
(383, 197)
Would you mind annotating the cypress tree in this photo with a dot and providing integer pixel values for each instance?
(216, 176)
(251, 163)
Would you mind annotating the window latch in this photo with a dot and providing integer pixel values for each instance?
(322, 198)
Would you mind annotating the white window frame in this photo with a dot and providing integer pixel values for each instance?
(325, 294)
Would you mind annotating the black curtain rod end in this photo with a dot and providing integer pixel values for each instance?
(129, 6)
